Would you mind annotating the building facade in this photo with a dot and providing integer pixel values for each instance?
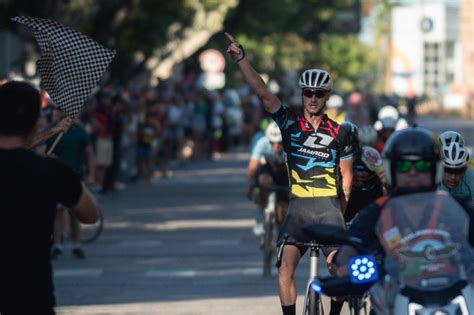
(426, 54)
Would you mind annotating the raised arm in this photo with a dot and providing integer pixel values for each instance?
(44, 136)
(253, 79)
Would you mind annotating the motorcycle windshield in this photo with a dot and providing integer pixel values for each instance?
(425, 240)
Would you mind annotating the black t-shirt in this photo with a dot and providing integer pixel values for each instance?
(31, 186)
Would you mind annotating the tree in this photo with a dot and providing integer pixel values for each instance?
(152, 36)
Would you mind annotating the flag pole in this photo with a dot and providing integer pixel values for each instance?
(55, 142)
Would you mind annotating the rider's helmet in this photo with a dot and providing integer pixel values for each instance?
(367, 135)
(352, 133)
(413, 144)
(335, 101)
(387, 123)
(316, 79)
(273, 133)
(388, 111)
(455, 155)
(448, 137)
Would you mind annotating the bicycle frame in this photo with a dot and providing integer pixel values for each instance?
(313, 275)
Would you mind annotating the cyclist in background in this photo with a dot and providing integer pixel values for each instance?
(458, 180)
(388, 122)
(266, 167)
(335, 108)
(368, 174)
(367, 135)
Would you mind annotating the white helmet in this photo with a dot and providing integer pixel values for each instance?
(335, 101)
(315, 78)
(455, 155)
(367, 135)
(388, 111)
(401, 124)
(448, 137)
(273, 133)
(385, 123)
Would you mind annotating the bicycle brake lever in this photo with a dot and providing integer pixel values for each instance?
(280, 251)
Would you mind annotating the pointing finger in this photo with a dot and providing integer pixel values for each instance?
(230, 37)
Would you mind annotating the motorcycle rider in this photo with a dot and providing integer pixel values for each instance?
(412, 163)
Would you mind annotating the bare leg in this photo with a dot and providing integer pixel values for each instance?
(286, 275)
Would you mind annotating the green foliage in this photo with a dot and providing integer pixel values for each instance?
(350, 62)
(278, 35)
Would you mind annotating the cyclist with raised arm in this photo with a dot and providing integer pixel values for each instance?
(458, 180)
(317, 152)
(267, 167)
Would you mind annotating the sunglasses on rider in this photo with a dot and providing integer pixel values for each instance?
(404, 166)
(318, 93)
(455, 171)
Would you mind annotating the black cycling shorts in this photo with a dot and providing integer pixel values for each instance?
(279, 179)
(307, 211)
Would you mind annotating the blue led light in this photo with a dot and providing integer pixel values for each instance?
(363, 269)
(316, 287)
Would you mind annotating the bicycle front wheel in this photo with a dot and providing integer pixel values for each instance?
(91, 232)
(313, 304)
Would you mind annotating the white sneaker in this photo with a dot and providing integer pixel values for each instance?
(258, 229)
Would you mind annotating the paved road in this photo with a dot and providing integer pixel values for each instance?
(181, 245)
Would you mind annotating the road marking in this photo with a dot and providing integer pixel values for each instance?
(140, 243)
(77, 272)
(219, 242)
(172, 273)
(205, 273)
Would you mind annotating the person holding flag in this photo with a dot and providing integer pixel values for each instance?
(31, 187)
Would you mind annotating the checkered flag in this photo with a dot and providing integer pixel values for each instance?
(71, 64)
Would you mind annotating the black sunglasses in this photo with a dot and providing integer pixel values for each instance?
(318, 93)
(455, 171)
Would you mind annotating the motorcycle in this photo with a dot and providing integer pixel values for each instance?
(427, 266)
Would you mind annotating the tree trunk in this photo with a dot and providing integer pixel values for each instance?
(204, 26)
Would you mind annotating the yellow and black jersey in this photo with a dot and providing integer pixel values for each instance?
(313, 155)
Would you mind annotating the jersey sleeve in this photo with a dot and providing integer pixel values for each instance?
(373, 161)
(345, 147)
(67, 183)
(258, 150)
(469, 178)
(284, 117)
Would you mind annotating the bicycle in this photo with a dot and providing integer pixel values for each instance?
(312, 301)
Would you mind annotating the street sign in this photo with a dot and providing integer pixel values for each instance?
(212, 61)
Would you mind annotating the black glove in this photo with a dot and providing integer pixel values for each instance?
(239, 56)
